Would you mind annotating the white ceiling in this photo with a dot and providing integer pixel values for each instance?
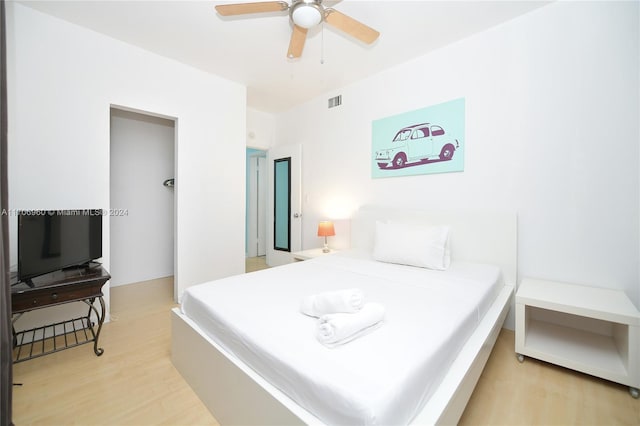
(252, 49)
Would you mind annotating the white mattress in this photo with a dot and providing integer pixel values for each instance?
(384, 377)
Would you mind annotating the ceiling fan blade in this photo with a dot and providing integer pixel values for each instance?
(350, 26)
(298, 38)
(245, 8)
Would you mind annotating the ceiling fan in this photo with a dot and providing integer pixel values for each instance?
(304, 14)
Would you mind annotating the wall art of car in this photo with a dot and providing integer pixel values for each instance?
(417, 144)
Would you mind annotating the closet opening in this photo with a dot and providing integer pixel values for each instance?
(142, 191)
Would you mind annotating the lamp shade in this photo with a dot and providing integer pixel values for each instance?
(325, 229)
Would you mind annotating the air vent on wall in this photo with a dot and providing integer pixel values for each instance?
(336, 101)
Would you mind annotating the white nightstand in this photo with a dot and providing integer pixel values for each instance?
(299, 256)
(588, 329)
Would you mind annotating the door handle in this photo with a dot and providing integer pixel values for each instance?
(297, 215)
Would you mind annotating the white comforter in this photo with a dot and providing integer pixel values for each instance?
(384, 377)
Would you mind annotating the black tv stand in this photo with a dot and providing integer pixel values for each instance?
(56, 288)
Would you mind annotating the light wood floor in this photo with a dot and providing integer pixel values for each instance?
(255, 263)
(134, 382)
(538, 393)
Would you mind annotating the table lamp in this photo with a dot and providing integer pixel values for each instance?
(325, 229)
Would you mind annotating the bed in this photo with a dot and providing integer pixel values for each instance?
(252, 357)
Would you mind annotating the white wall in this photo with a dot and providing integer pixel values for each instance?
(260, 129)
(63, 79)
(552, 107)
(142, 235)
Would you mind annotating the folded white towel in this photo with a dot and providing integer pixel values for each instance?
(337, 329)
(349, 300)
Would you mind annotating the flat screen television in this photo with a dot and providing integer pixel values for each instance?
(51, 240)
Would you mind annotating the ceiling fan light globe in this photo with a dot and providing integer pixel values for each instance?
(306, 15)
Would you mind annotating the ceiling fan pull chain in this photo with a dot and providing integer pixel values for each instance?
(322, 44)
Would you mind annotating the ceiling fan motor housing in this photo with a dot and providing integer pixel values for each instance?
(306, 13)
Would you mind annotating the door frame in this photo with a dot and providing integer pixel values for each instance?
(256, 204)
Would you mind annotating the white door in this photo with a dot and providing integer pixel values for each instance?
(284, 213)
(256, 208)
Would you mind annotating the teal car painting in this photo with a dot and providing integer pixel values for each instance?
(424, 141)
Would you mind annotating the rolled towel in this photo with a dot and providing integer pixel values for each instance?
(331, 302)
(337, 329)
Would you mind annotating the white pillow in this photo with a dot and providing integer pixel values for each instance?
(414, 245)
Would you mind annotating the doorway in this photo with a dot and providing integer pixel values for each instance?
(142, 170)
(264, 185)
